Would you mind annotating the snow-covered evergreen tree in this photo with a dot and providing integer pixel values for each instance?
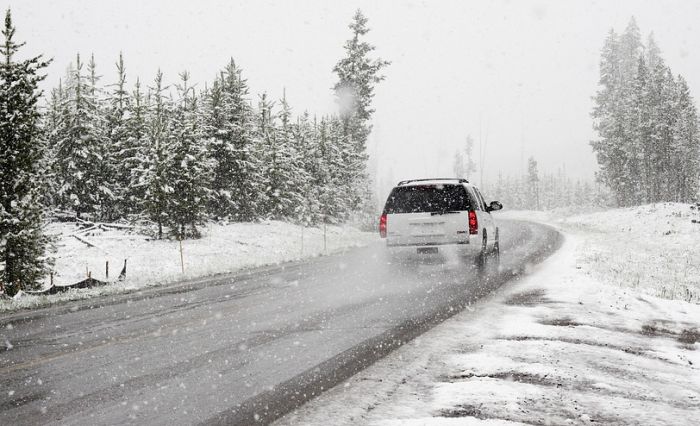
(79, 148)
(608, 101)
(121, 150)
(22, 241)
(358, 74)
(333, 198)
(152, 172)
(106, 167)
(51, 123)
(641, 151)
(458, 164)
(346, 166)
(279, 156)
(308, 178)
(556, 190)
(463, 164)
(637, 115)
(133, 153)
(686, 146)
(533, 184)
(230, 128)
(469, 163)
(188, 172)
(630, 49)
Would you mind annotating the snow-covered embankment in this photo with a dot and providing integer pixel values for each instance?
(222, 249)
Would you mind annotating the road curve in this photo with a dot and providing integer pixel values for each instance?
(238, 348)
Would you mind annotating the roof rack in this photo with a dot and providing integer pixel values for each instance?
(404, 182)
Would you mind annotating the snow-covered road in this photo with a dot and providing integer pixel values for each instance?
(236, 348)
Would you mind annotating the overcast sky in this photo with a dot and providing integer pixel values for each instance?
(518, 73)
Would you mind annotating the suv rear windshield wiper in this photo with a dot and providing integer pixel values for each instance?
(443, 212)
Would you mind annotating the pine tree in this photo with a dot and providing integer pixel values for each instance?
(469, 164)
(607, 120)
(653, 53)
(334, 198)
(640, 150)
(152, 172)
(121, 151)
(230, 128)
(358, 75)
(133, 154)
(686, 143)
(347, 172)
(638, 116)
(188, 171)
(22, 241)
(105, 167)
(212, 128)
(323, 175)
(307, 178)
(458, 164)
(533, 182)
(275, 138)
(80, 146)
(52, 122)
(630, 49)
(463, 164)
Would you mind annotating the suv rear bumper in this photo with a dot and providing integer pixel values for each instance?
(426, 244)
(409, 250)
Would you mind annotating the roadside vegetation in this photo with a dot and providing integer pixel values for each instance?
(171, 159)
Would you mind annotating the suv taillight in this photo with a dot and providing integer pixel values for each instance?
(382, 226)
(473, 223)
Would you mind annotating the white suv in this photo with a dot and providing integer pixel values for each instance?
(428, 213)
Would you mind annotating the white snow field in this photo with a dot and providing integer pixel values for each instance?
(222, 249)
(654, 249)
(583, 339)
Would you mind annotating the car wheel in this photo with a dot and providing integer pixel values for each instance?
(482, 257)
(496, 251)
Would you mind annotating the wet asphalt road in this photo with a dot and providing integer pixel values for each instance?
(238, 348)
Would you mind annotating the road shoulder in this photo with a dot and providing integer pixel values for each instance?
(556, 346)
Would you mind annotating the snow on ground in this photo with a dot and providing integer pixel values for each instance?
(571, 343)
(653, 248)
(223, 248)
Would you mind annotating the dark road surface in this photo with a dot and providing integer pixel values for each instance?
(238, 348)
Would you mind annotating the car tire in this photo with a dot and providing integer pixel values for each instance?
(496, 251)
(482, 257)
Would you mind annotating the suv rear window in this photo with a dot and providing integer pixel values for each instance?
(427, 198)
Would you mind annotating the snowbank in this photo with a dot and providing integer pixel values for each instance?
(223, 248)
(653, 248)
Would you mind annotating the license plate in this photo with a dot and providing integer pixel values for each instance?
(427, 250)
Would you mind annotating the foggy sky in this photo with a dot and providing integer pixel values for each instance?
(517, 75)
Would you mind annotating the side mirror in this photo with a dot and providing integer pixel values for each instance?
(494, 206)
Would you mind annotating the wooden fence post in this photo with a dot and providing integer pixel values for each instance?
(182, 257)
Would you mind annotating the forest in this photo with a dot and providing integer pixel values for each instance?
(168, 159)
